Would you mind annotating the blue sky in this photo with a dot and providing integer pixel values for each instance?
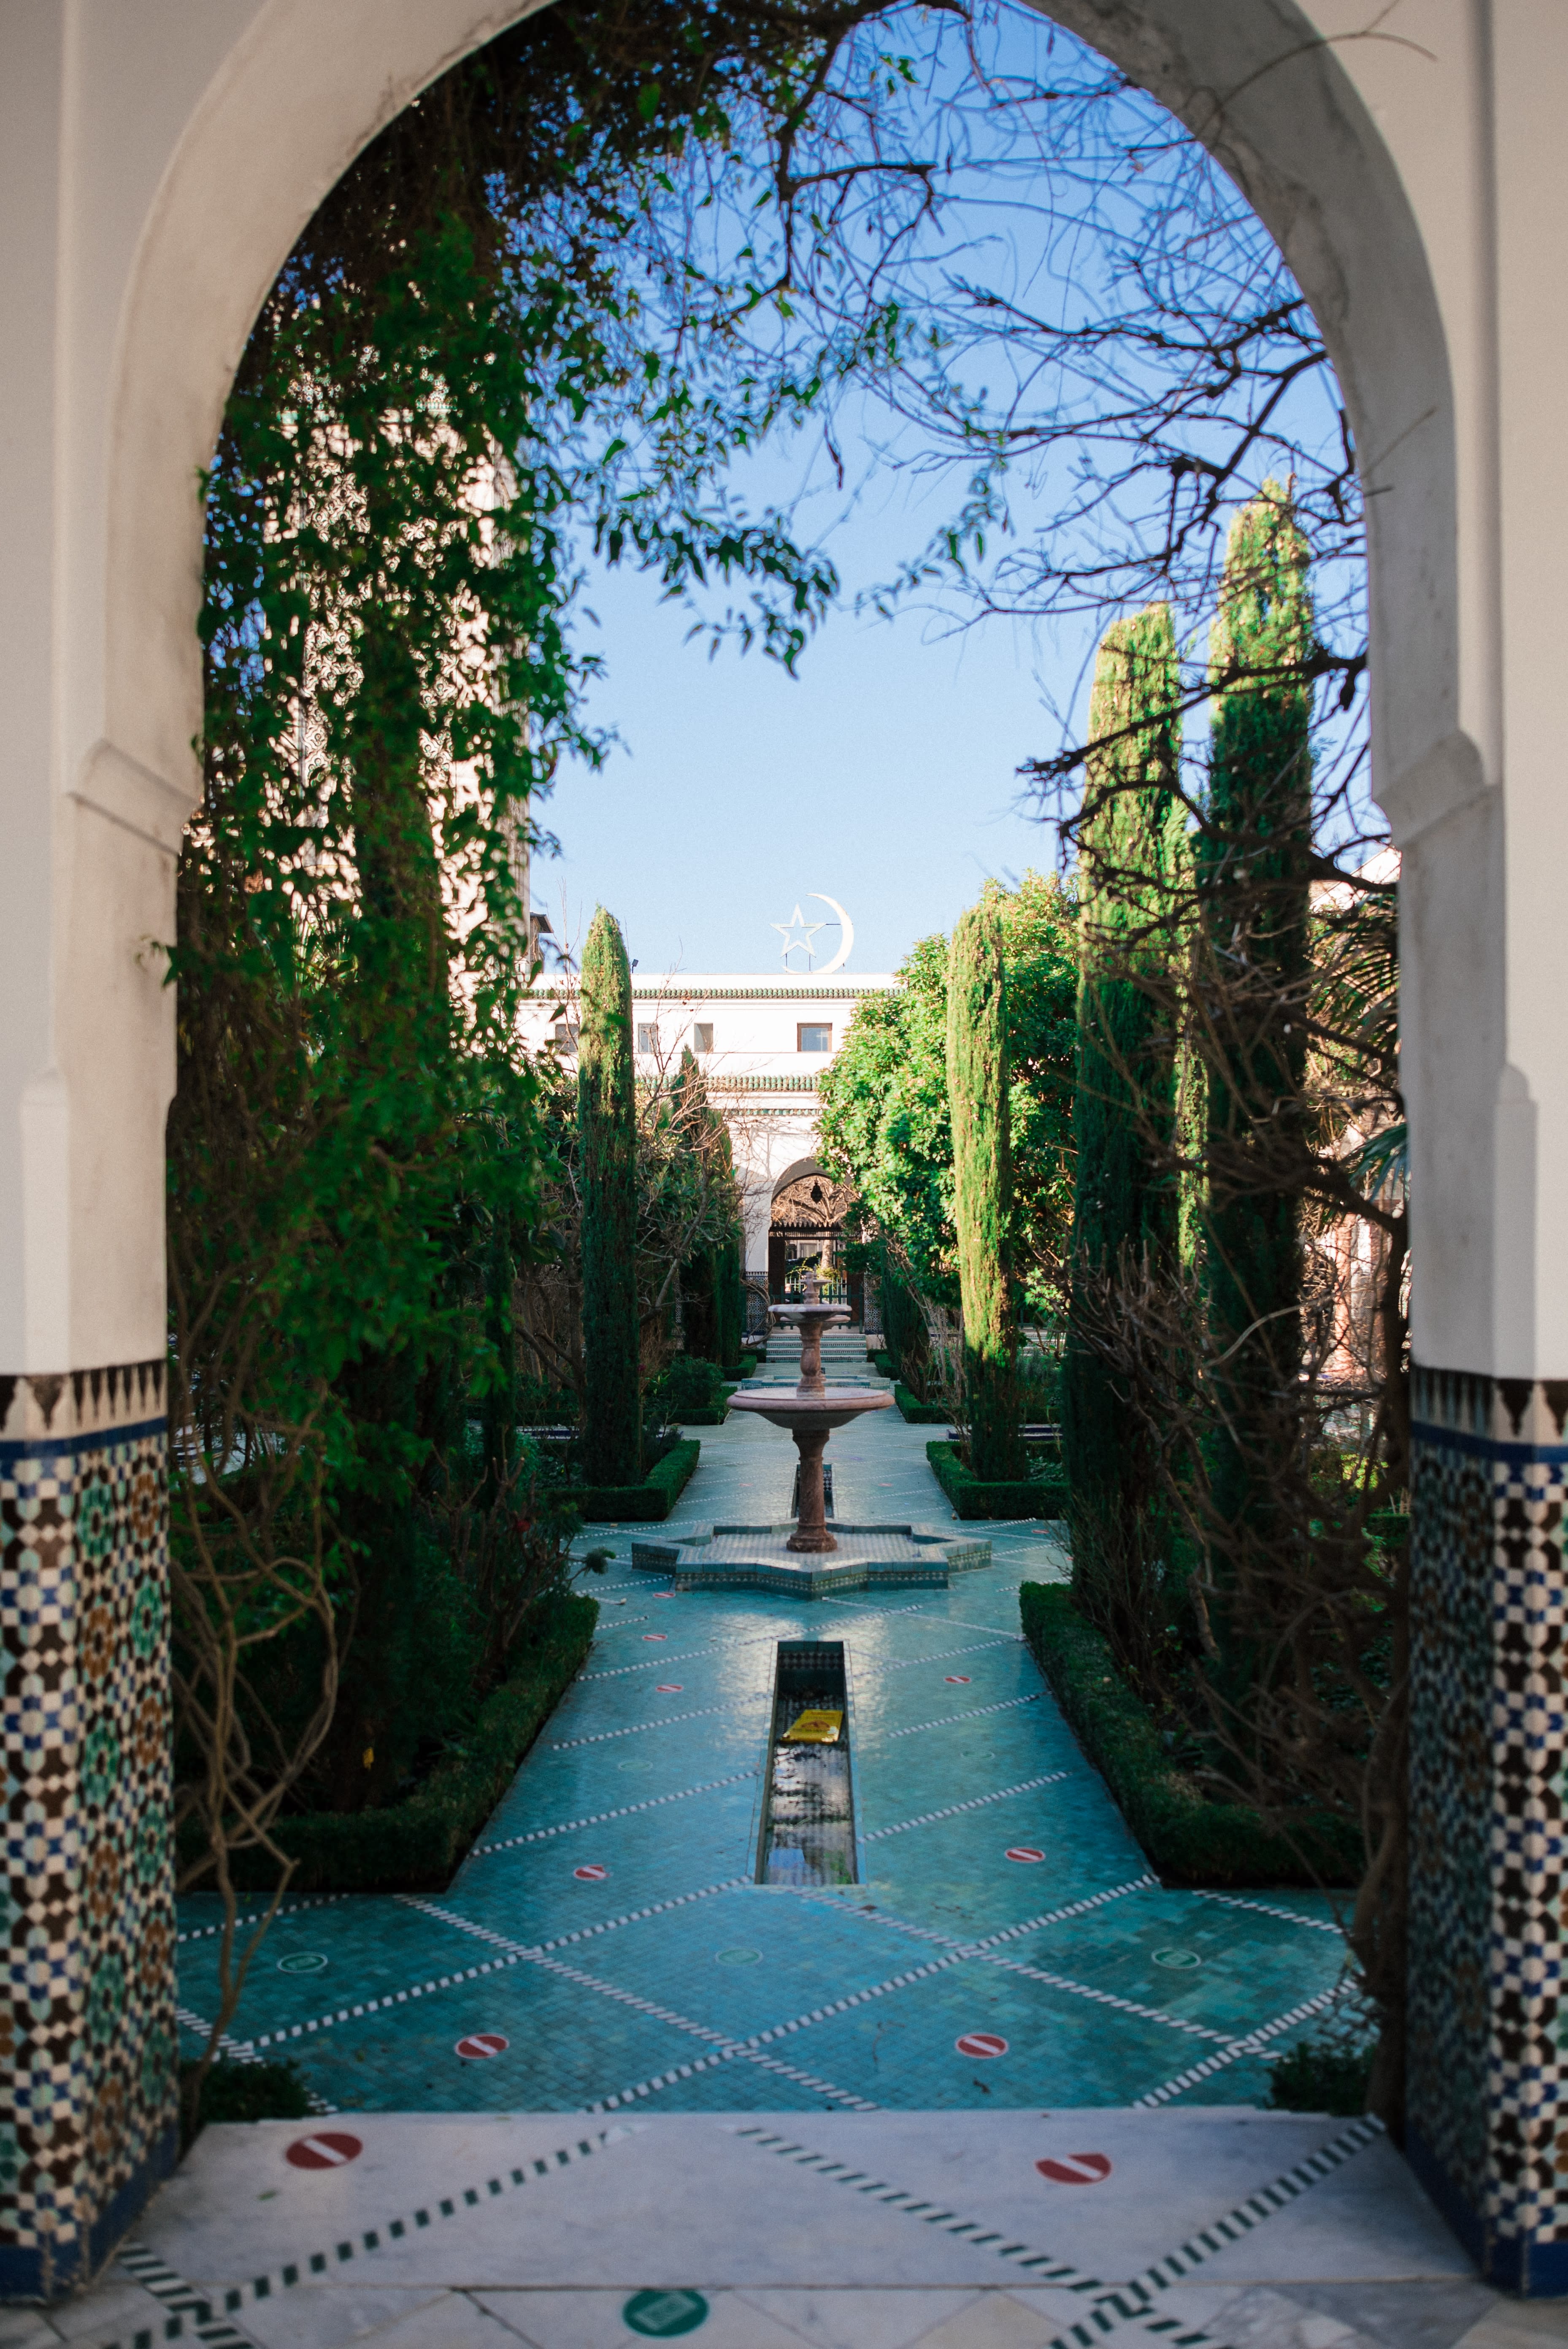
(883, 773)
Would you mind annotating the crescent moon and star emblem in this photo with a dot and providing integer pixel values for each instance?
(798, 934)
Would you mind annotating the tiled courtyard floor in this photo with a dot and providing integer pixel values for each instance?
(745, 2114)
(606, 1927)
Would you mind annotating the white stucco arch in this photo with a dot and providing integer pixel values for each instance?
(799, 1166)
(177, 223)
(157, 159)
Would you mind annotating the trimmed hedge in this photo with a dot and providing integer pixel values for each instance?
(884, 1366)
(647, 1503)
(715, 1418)
(1187, 1839)
(414, 1845)
(1024, 1496)
(918, 1414)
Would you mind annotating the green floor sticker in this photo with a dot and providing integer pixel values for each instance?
(302, 1961)
(737, 1957)
(1180, 1960)
(663, 2314)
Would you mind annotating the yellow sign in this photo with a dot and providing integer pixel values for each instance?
(822, 1728)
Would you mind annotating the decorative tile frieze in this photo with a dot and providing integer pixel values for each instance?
(87, 2012)
(64, 1404)
(1488, 1728)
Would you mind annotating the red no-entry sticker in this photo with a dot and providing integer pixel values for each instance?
(656, 1635)
(980, 2042)
(1027, 1852)
(328, 2150)
(956, 1679)
(1077, 2169)
(480, 2044)
(668, 1687)
(594, 1873)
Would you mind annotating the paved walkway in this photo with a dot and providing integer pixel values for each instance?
(607, 2087)
(607, 1928)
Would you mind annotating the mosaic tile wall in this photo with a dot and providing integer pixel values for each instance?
(1488, 2113)
(86, 2023)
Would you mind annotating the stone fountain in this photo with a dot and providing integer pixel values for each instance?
(804, 1555)
(812, 1412)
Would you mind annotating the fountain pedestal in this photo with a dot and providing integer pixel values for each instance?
(811, 1527)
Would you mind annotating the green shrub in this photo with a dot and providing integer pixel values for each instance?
(1187, 1839)
(1040, 1388)
(1045, 1495)
(884, 1366)
(646, 1503)
(714, 1417)
(905, 1339)
(1329, 2072)
(254, 2092)
(1390, 1528)
(539, 1404)
(691, 1385)
(921, 1414)
(414, 1844)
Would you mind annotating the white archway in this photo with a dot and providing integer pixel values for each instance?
(156, 160)
(163, 280)
(796, 1168)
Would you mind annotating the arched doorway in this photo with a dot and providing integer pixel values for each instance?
(158, 166)
(806, 1228)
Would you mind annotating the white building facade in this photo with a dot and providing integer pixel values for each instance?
(762, 1040)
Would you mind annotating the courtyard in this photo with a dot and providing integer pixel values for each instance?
(606, 2086)
(606, 1925)
(1117, 431)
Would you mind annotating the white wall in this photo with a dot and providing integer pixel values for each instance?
(756, 1075)
(158, 156)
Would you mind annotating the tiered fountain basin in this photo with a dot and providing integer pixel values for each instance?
(759, 1558)
(807, 1556)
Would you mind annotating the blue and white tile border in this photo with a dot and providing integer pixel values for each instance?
(87, 2034)
(1488, 2098)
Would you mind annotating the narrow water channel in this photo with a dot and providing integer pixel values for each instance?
(808, 1808)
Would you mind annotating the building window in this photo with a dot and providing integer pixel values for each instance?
(701, 1036)
(646, 1035)
(565, 1037)
(811, 1038)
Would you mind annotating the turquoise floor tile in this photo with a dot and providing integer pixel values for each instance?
(320, 1960)
(663, 1975)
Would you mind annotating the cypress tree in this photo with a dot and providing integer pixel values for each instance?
(1255, 876)
(702, 1273)
(700, 1307)
(982, 1190)
(730, 1310)
(1132, 865)
(500, 1407)
(607, 1133)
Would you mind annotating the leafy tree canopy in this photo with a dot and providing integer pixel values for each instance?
(885, 1123)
